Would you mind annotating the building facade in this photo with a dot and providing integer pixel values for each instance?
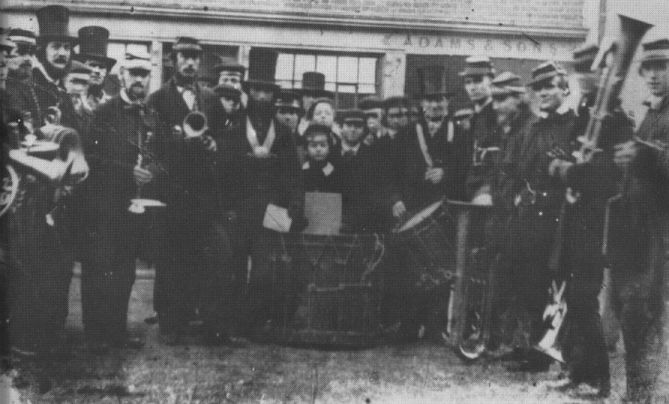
(362, 46)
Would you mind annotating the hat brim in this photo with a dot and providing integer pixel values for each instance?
(260, 83)
(137, 64)
(476, 71)
(186, 48)
(654, 57)
(226, 68)
(316, 92)
(109, 62)
(543, 77)
(510, 90)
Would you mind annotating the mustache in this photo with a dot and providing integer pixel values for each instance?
(60, 59)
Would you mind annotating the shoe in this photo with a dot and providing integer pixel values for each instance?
(152, 320)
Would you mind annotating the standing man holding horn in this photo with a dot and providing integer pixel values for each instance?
(192, 268)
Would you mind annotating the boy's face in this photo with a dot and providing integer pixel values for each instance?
(397, 118)
(478, 87)
(655, 74)
(318, 147)
(351, 132)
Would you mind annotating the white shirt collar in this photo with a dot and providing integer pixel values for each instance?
(345, 148)
(327, 169)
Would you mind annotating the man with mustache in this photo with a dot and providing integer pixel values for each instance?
(192, 270)
(93, 53)
(108, 271)
(20, 85)
(261, 168)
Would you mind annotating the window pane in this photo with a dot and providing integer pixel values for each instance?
(330, 86)
(284, 83)
(284, 67)
(343, 88)
(348, 70)
(367, 71)
(367, 89)
(116, 51)
(328, 66)
(304, 63)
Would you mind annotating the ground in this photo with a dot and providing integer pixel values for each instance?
(257, 373)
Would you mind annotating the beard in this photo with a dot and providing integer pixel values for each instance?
(56, 71)
(185, 79)
(136, 92)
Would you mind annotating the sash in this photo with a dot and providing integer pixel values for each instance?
(423, 146)
(259, 150)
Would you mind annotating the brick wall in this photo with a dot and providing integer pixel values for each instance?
(528, 13)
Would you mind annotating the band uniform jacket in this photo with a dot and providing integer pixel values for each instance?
(51, 95)
(23, 97)
(484, 149)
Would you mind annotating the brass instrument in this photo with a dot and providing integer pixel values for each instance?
(194, 124)
(139, 204)
(554, 315)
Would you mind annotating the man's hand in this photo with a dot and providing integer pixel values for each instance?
(142, 175)
(434, 175)
(559, 167)
(399, 209)
(625, 153)
(209, 143)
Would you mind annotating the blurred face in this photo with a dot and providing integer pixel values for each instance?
(288, 116)
(478, 88)
(397, 118)
(76, 83)
(324, 114)
(588, 82)
(307, 101)
(318, 147)
(233, 79)
(374, 118)
(136, 82)
(434, 114)
(656, 77)
(230, 105)
(58, 54)
(20, 61)
(98, 71)
(506, 107)
(550, 95)
(261, 94)
(188, 63)
(352, 131)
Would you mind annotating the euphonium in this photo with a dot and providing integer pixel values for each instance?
(195, 124)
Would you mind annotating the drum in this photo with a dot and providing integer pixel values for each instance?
(330, 290)
(427, 239)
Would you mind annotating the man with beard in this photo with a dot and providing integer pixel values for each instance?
(191, 268)
(261, 168)
(93, 53)
(109, 272)
(20, 85)
(539, 194)
(484, 147)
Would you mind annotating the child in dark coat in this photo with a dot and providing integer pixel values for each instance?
(320, 174)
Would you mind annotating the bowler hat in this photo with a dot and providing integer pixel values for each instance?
(478, 66)
(54, 24)
(584, 56)
(434, 82)
(230, 65)
(262, 67)
(313, 83)
(186, 43)
(93, 41)
(507, 83)
(655, 50)
(289, 99)
(546, 71)
(317, 129)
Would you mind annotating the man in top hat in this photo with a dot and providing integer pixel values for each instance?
(262, 168)
(538, 189)
(54, 55)
(636, 244)
(93, 42)
(483, 144)
(193, 259)
(119, 129)
(313, 88)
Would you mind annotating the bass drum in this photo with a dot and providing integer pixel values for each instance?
(10, 189)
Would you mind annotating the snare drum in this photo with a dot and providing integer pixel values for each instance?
(427, 239)
(339, 294)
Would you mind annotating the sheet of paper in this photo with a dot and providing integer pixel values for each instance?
(323, 211)
(277, 219)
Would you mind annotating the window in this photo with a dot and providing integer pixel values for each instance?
(117, 50)
(349, 77)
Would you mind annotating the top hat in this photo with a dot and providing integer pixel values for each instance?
(370, 102)
(546, 71)
(313, 83)
(93, 42)
(78, 67)
(478, 66)
(655, 50)
(351, 115)
(54, 24)
(186, 43)
(507, 83)
(227, 91)
(228, 64)
(18, 35)
(288, 99)
(433, 80)
(137, 60)
(584, 56)
(262, 67)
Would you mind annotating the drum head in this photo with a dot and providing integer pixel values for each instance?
(420, 216)
(42, 149)
(10, 188)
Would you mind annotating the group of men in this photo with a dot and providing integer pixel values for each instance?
(215, 155)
